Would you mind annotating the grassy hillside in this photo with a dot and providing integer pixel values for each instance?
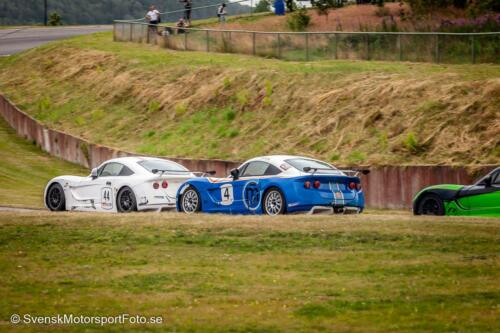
(364, 273)
(25, 170)
(188, 104)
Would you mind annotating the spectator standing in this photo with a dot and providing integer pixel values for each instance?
(221, 13)
(153, 17)
(188, 5)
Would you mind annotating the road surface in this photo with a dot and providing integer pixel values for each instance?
(19, 39)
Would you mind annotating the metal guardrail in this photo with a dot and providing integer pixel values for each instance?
(438, 47)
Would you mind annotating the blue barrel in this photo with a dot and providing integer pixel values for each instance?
(279, 7)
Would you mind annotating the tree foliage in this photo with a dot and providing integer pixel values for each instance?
(263, 6)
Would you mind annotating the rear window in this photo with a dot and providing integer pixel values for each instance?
(162, 165)
(301, 163)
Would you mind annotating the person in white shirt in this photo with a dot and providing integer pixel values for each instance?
(153, 16)
(221, 12)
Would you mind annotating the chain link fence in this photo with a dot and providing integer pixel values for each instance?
(309, 46)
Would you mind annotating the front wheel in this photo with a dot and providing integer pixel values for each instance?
(125, 200)
(190, 201)
(55, 198)
(430, 204)
(274, 202)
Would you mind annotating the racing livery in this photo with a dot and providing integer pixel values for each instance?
(119, 185)
(482, 198)
(275, 185)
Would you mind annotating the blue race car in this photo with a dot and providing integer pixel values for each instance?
(275, 185)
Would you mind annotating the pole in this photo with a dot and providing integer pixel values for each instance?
(307, 46)
(253, 43)
(45, 13)
(473, 49)
(437, 49)
(400, 48)
(208, 42)
(279, 45)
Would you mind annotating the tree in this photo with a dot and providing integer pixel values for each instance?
(324, 6)
(263, 6)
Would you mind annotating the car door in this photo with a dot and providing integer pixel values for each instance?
(482, 199)
(251, 179)
(110, 176)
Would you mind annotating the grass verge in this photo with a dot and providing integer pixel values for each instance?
(367, 273)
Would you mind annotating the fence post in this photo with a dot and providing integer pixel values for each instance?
(367, 41)
(208, 42)
(147, 34)
(185, 40)
(473, 49)
(131, 31)
(437, 49)
(279, 45)
(114, 31)
(336, 43)
(253, 43)
(307, 46)
(400, 48)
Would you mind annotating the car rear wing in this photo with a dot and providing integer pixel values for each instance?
(197, 173)
(350, 172)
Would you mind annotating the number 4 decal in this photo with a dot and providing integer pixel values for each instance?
(226, 194)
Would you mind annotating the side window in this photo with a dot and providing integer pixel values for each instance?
(259, 168)
(272, 170)
(111, 170)
(126, 171)
(495, 180)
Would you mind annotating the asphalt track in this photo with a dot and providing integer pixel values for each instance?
(23, 38)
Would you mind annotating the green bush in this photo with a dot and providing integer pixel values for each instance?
(54, 19)
(298, 20)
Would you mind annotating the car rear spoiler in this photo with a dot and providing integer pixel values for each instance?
(197, 173)
(351, 172)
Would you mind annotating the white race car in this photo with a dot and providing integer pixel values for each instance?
(119, 185)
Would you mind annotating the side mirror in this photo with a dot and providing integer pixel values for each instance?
(93, 173)
(487, 181)
(235, 173)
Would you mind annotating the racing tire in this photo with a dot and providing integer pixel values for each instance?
(190, 201)
(125, 200)
(55, 199)
(274, 202)
(430, 204)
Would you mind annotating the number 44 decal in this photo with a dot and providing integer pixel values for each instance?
(226, 194)
(106, 198)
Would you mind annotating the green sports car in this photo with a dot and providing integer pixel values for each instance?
(482, 198)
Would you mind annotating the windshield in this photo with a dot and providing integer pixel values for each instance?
(162, 165)
(301, 163)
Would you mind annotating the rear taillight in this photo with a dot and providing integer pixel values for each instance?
(164, 184)
(317, 184)
(307, 184)
(156, 185)
(352, 185)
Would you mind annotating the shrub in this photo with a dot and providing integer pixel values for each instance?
(54, 19)
(382, 11)
(298, 20)
(411, 143)
(153, 106)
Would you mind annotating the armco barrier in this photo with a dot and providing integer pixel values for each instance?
(385, 187)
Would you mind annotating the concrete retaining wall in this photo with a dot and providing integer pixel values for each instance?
(385, 186)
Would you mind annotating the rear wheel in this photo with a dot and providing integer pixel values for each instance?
(55, 198)
(274, 202)
(430, 204)
(125, 200)
(190, 201)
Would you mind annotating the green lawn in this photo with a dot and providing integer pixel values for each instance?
(25, 170)
(367, 273)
